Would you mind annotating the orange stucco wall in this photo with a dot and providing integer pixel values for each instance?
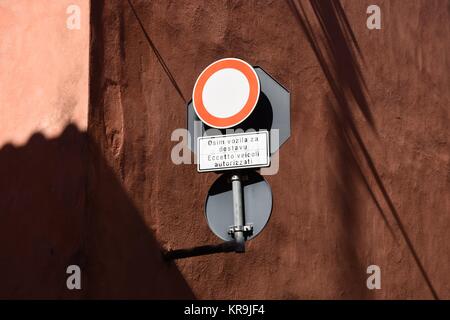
(43, 68)
(43, 114)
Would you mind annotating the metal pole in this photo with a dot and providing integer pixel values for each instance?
(238, 211)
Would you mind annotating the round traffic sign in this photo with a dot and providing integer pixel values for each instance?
(226, 93)
(257, 199)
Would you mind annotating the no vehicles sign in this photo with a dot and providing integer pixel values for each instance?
(226, 93)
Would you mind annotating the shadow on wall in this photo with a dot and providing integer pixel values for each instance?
(337, 51)
(49, 221)
(338, 54)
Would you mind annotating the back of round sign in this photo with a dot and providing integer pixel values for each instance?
(257, 198)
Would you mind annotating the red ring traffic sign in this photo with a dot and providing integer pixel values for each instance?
(226, 93)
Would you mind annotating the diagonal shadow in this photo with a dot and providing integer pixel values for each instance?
(61, 204)
(123, 257)
(339, 57)
(337, 51)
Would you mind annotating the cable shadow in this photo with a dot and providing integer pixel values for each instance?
(337, 51)
(61, 205)
(338, 56)
(343, 189)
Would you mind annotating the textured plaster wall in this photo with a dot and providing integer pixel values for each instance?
(43, 116)
(363, 180)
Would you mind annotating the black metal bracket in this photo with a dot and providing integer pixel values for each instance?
(247, 230)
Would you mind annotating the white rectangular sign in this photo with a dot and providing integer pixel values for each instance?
(233, 151)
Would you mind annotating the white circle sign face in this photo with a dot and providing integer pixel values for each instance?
(226, 93)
